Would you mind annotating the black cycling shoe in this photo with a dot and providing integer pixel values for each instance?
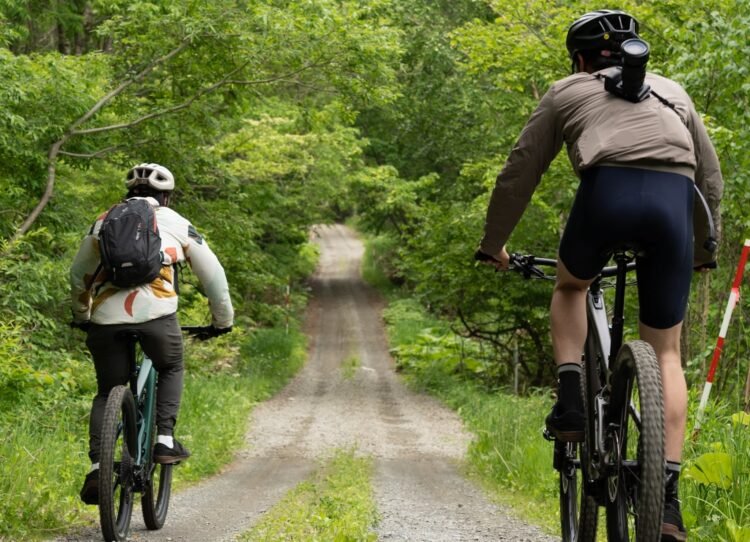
(168, 456)
(672, 528)
(565, 426)
(90, 490)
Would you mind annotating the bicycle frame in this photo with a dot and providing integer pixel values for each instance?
(602, 345)
(143, 387)
(146, 400)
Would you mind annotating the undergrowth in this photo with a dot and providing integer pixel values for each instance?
(43, 450)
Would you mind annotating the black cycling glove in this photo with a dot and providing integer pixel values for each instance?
(209, 332)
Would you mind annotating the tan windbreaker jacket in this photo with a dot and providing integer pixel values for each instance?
(601, 129)
(104, 303)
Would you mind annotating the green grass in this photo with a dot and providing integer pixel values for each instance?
(335, 505)
(42, 462)
(43, 449)
(715, 480)
(349, 367)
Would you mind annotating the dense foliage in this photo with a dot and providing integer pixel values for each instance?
(250, 105)
(471, 75)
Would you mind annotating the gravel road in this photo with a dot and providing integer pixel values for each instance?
(417, 444)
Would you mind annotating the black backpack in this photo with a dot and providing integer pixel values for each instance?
(129, 244)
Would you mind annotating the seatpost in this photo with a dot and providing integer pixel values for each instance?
(618, 321)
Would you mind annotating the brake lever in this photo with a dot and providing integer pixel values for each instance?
(525, 267)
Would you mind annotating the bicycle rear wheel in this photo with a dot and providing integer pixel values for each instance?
(591, 383)
(118, 450)
(635, 487)
(575, 527)
(156, 493)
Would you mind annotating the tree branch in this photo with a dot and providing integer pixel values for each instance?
(96, 154)
(54, 150)
(117, 91)
(187, 103)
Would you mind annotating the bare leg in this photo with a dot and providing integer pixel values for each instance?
(568, 316)
(666, 343)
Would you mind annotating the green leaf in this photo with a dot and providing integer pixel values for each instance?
(713, 468)
(738, 534)
(741, 418)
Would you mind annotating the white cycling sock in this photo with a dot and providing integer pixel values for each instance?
(94, 466)
(166, 440)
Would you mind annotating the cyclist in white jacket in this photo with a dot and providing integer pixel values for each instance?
(105, 311)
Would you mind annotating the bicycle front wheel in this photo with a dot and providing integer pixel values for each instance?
(635, 486)
(118, 450)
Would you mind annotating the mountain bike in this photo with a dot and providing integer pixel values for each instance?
(126, 465)
(620, 464)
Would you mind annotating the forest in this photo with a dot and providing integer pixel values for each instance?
(275, 115)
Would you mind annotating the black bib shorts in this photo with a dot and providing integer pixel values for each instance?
(650, 211)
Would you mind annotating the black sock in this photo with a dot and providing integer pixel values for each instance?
(672, 513)
(672, 481)
(569, 386)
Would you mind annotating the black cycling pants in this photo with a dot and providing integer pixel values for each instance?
(648, 210)
(161, 340)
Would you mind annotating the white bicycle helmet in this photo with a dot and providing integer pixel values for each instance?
(154, 175)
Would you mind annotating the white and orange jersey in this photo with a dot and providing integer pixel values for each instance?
(103, 303)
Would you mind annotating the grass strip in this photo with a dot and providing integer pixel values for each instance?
(336, 504)
(350, 366)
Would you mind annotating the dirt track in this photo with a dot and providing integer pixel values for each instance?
(417, 444)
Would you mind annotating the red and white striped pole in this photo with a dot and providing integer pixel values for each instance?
(734, 297)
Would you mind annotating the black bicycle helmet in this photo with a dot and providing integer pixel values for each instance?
(603, 29)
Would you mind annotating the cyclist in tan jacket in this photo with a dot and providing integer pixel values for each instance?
(639, 161)
(105, 311)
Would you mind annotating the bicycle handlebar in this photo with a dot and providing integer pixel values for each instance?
(526, 265)
(203, 333)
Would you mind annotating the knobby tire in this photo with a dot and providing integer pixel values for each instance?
(577, 525)
(157, 489)
(117, 456)
(568, 491)
(635, 490)
(591, 383)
